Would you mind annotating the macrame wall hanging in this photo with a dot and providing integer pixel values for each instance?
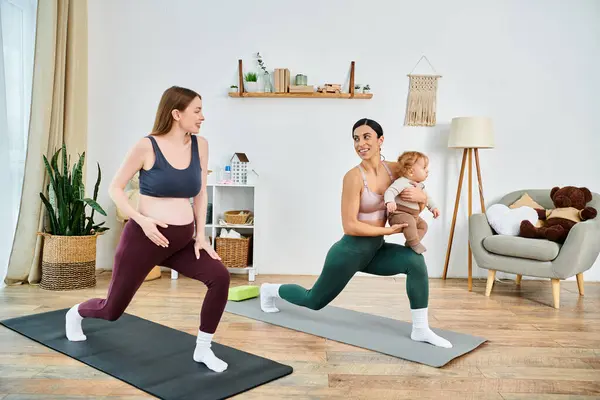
(422, 96)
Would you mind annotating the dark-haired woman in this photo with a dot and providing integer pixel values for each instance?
(172, 164)
(362, 247)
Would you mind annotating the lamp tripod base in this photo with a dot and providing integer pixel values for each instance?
(468, 152)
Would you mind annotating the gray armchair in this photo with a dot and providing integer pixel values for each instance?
(539, 258)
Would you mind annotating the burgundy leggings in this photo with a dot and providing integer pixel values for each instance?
(136, 255)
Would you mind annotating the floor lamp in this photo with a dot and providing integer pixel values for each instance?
(470, 134)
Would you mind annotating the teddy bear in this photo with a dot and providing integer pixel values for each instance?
(570, 208)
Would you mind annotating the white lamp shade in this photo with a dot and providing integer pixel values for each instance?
(471, 132)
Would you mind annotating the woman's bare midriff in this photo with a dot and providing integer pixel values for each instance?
(379, 224)
(171, 211)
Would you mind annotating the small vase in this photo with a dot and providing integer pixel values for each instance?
(267, 87)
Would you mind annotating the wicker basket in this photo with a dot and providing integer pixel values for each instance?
(233, 252)
(235, 216)
(68, 262)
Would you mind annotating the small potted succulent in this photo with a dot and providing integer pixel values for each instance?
(233, 89)
(251, 82)
(367, 89)
(356, 88)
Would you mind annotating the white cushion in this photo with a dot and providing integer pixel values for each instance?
(507, 221)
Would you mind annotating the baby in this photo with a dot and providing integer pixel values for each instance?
(413, 171)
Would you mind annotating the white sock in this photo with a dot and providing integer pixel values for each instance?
(268, 293)
(203, 353)
(421, 331)
(73, 325)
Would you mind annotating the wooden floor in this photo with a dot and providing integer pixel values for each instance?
(534, 351)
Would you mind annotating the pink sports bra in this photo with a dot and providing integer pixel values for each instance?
(372, 206)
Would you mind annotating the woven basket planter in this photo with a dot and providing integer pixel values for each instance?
(68, 262)
(233, 252)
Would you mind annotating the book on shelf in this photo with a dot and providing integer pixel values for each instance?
(281, 78)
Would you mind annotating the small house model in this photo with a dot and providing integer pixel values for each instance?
(239, 168)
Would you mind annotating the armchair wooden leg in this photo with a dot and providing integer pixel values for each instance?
(518, 280)
(556, 292)
(490, 282)
(580, 283)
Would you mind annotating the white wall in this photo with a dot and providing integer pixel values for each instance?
(532, 66)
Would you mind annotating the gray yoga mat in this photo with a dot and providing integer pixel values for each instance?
(384, 335)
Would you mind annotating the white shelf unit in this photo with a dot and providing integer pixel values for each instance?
(227, 197)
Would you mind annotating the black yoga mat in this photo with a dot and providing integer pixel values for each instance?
(152, 357)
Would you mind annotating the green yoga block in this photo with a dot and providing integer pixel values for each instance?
(240, 293)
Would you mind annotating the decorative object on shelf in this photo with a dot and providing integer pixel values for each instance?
(267, 86)
(301, 80)
(239, 168)
(357, 88)
(251, 82)
(237, 217)
(249, 223)
(261, 63)
(266, 76)
(366, 89)
(233, 252)
(233, 88)
(303, 93)
(468, 133)
(69, 245)
(422, 96)
(330, 88)
(225, 175)
(301, 89)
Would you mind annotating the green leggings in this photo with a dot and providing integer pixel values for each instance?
(368, 254)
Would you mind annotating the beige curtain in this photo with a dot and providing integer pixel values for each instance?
(58, 113)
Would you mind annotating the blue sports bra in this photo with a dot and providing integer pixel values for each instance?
(163, 180)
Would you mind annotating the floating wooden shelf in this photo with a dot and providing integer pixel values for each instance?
(305, 95)
(316, 95)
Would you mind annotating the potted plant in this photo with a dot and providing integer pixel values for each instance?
(69, 245)
(233, 89)
(356, 88)
(367, 88)
(251, 82)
